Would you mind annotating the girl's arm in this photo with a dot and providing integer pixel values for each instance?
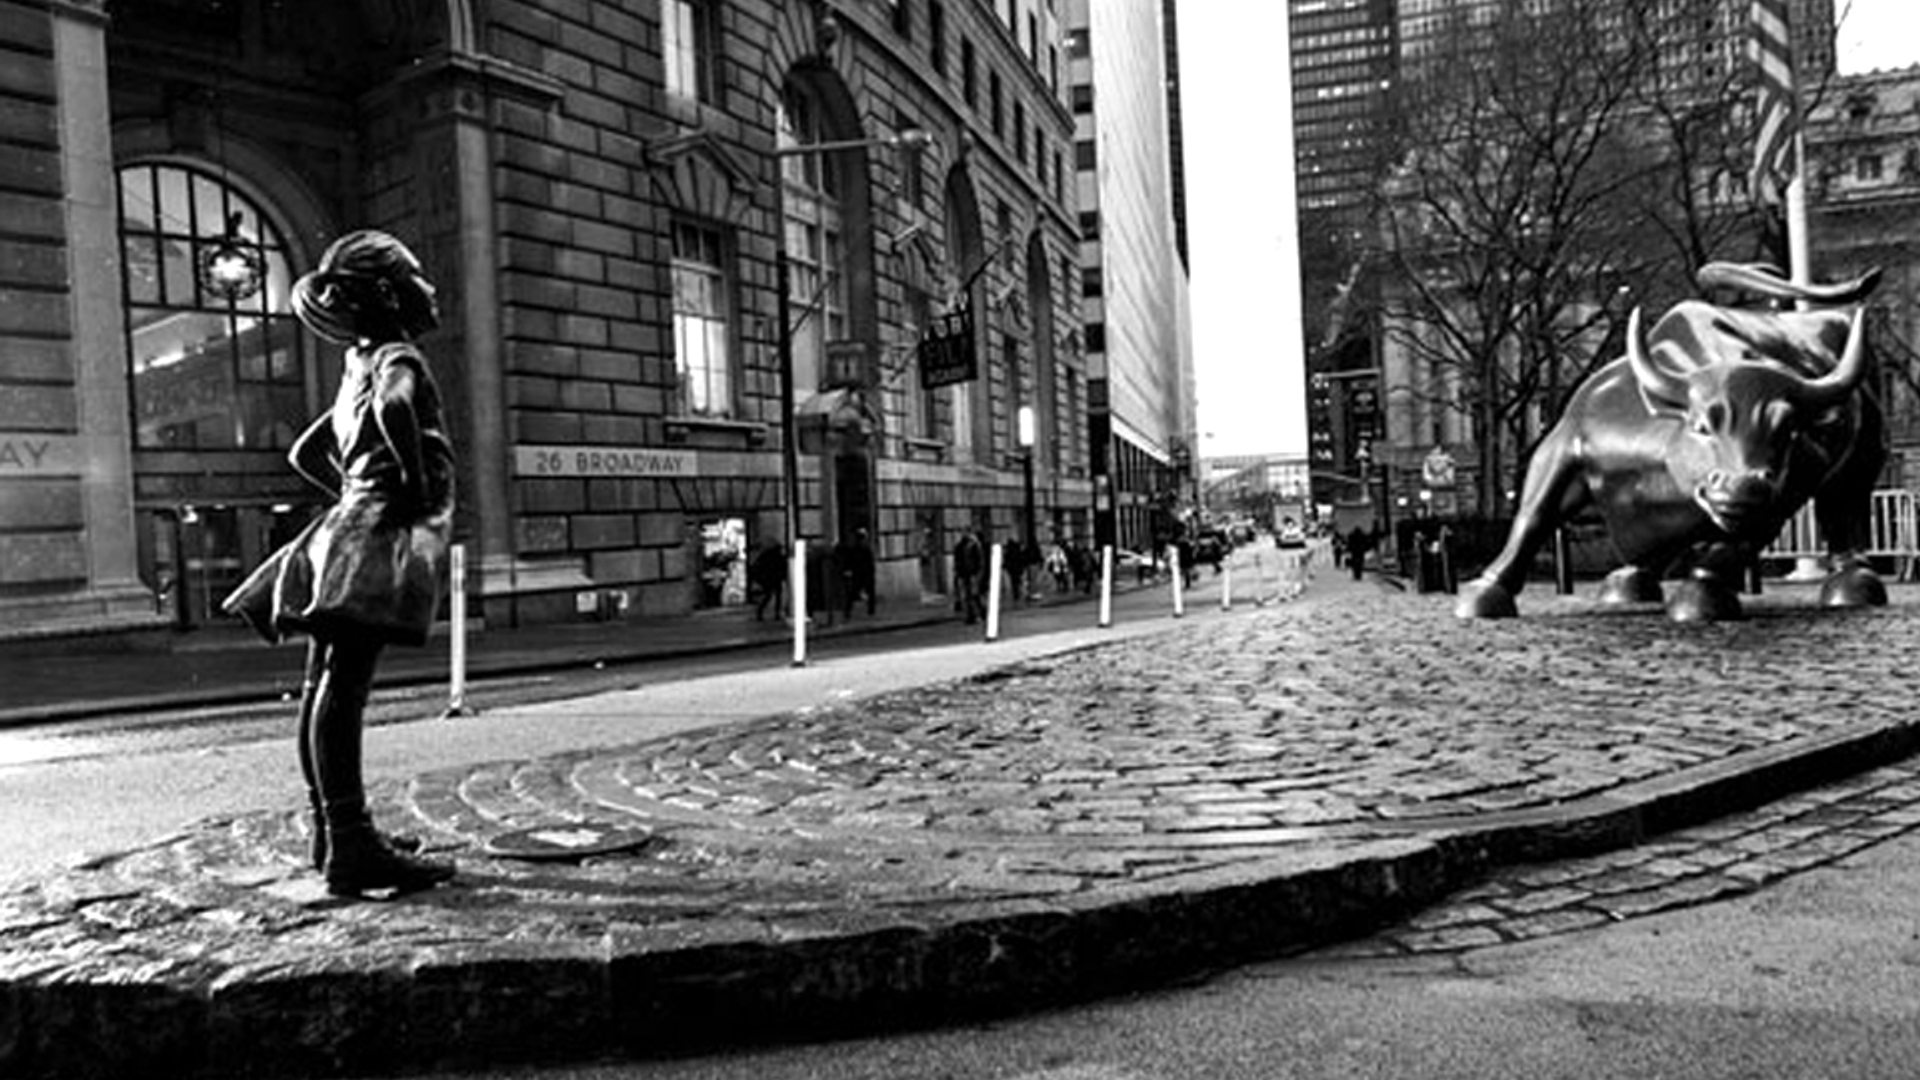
(315, 457)
(393, 411)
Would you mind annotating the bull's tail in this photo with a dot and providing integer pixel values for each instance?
(1766, 281)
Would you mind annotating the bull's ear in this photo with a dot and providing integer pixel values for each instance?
(1662, 389)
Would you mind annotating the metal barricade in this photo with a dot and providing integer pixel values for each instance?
(1894, 531)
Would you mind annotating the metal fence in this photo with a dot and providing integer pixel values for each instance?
(1895, 532)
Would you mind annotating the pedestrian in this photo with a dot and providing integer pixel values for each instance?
(767, 579)
(1183, 547)
(1058, 567)
(1080, 559)
(368, 571)
(1359, 542)
(970, 573)
(855, 559)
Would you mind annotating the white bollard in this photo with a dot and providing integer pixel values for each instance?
(1226, 585)
(995, 559)
(457, 644)
(1179, 597)
(797, 607)
(1106, 585)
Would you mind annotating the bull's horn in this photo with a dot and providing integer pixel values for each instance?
(1830, 388)
(1656, 382)
(1766, 281)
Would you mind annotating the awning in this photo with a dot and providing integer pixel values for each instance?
(841, 415)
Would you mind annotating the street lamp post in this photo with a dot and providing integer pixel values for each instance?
(1026, 469)
(913, 139)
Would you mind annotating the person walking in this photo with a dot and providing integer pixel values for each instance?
(369, 571)
(1359, 542)
(856, 572)
(767, 579)
(970, 573)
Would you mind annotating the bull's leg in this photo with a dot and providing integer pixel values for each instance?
(1711, 592)
(1553, 492)
(1631, 585)
(1844, 509)
(1845, 521)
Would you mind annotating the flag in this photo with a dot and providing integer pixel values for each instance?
(1777, 108)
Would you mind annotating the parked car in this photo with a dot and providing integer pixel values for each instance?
(1291, 536)
(1138, 563)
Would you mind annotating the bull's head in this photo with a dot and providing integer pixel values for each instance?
(1747, 417)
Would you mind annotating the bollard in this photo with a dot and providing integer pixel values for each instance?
(797, 589)
(1226, 585)
(1106, 585)
(457, 643)
(1562, 563)
(995, 559)
(1179, 597)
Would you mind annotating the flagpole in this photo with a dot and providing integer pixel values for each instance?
(1801, 270)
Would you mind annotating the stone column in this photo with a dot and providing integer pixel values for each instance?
(65, 445)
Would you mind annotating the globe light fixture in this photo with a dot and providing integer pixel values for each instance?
(230, 268)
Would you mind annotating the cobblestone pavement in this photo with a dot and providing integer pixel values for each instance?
(1242, 788)
(1737, 854)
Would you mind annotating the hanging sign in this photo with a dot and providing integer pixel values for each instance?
(946, 352)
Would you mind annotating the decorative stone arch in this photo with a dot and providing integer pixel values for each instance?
(696, 174)
(282, 192)
(841, 122)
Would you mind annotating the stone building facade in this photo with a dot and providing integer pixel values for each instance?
(610, 196)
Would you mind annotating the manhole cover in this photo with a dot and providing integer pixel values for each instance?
(571, 840)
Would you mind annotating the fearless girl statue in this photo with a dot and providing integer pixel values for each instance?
(368, 571)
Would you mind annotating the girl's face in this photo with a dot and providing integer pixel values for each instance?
(430, 307)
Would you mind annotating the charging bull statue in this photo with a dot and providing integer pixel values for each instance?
(1702, 441)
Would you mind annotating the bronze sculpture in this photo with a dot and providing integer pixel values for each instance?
(1699, 444)
(368, 571)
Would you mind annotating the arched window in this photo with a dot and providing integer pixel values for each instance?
(218, 361)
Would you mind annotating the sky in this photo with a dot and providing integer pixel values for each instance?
(1248, 359)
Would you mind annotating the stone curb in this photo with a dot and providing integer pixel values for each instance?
(836, 974)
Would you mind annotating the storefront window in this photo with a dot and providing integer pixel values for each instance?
(217, 357)
(721, 546)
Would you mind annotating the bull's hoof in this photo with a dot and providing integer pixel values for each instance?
(1485, 600)
(1704, 599)
(1631, 585)
(1853, 586)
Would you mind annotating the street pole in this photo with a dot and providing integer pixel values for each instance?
(789, 436)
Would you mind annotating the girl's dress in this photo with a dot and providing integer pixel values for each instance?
(371, 567)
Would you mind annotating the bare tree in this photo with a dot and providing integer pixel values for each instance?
(1509, 226)
(1560, 162)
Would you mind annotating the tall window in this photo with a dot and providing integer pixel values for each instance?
(700, 334)
(969, 82)
(688, 40)
(937, 36)
(810, 206)
(218, 361)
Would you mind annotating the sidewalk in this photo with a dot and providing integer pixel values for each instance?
(230, 664)
(1235, 788)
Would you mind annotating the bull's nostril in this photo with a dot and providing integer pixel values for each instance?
(1717, 480)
